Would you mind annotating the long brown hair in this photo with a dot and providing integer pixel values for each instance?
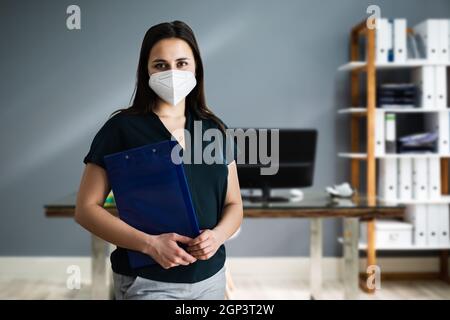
(144, 97)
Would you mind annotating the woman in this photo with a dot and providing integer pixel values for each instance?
(162, 107)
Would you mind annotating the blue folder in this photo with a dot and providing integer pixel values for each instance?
(151, 193)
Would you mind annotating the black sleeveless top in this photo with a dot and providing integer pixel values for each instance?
(207, 184)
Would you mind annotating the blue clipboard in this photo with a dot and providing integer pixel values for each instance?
(151, 193)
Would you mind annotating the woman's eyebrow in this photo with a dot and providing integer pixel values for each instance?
(162, 60)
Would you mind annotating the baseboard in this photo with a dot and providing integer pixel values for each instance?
(298, 267)
(58, 268)
(49, 268)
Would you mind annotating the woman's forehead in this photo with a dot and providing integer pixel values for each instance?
(171, 49)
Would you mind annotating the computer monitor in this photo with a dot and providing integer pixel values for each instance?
(297, 150)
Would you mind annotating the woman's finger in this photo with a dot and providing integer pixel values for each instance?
(202, 237)
(201, 245)
(187, 257)
(201, 251)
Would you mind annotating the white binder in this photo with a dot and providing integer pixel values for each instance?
(390, 40)
(444, 225)
(417, 215)
(424, 78)
(419, 176)
(400, 49)
(443, 53)
(388, 179)
(443, 132)
(433, 216)
(440, 80)
(382, 40)
(390, 134)
(380, 148)
(405, 178)
(428, 31)
(434, 178)
(448, 41)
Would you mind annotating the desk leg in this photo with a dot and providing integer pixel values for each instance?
(316, 258)
(99, 272)
(351, 258)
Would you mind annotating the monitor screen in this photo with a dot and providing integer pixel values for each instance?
(296, 155)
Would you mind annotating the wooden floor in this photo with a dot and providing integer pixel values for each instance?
(246, 288)
(253, 288)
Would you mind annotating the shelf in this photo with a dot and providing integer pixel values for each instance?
(362, 110)
(410, 155)
(352, 155)
(353, 110)
(441, 200)
(363, 246)
(362, 155)
(354, 65)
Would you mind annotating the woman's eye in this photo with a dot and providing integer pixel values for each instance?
(159, 65)
(182, 64)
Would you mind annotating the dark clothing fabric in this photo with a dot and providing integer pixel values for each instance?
(207, 184)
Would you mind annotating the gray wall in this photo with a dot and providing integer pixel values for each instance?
(268, 63)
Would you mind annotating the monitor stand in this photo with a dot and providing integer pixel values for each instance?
(265, 197)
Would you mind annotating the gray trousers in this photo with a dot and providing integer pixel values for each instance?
(138, 288)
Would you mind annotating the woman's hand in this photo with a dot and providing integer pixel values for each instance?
(205, 245)
(165, 250)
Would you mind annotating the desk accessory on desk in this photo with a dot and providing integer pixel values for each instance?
(343, 190)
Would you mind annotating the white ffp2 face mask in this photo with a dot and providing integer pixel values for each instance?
(172, 85)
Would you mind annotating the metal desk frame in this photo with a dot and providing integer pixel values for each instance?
(315, 206)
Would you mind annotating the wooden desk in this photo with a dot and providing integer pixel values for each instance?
(315, 206)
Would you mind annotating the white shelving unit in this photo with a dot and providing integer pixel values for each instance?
(375, 153)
